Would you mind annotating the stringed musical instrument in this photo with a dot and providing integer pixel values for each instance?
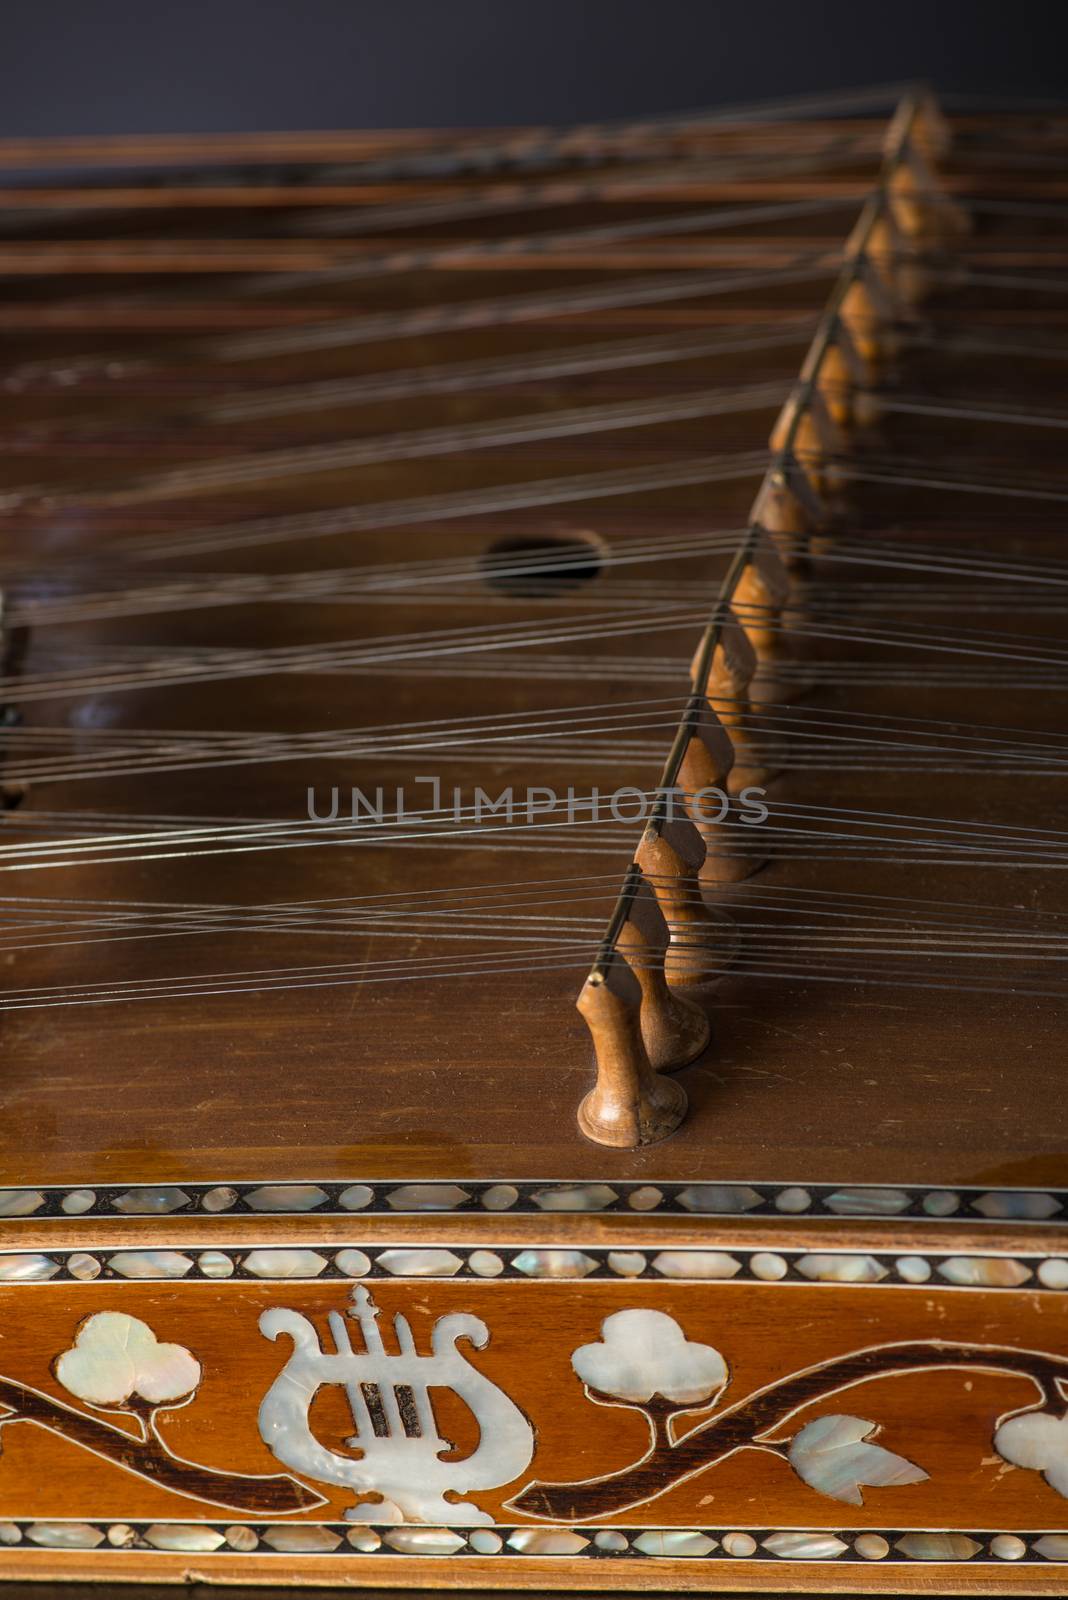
(533, 759)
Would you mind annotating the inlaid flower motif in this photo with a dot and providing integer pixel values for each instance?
(116, 1357)
(1037, 1440)
(645, 1354)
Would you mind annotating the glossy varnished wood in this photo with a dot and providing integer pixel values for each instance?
(162, 386)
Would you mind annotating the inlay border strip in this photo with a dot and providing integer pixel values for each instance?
(509, 1542)
(417, 1197)
(1038, 1273)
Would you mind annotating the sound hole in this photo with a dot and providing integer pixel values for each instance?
(543, 565)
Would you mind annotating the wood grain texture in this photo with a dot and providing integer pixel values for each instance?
(241, 376)
(937, 1404)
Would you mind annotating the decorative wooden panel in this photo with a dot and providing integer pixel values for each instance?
(590, 1412)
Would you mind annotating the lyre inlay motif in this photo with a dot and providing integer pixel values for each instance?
(400, 1449)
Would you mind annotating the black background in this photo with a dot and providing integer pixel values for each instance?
(156, 66)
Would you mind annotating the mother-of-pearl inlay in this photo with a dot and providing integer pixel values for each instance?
(400, 1475)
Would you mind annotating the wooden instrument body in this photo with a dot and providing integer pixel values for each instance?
(862, 1214)
(931, 1350)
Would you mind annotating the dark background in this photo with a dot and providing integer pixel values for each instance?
(156, 66)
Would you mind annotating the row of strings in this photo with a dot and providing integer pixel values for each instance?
(556, 922)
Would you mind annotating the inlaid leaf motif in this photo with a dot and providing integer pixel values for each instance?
(831, 1455)
(1037, 1440)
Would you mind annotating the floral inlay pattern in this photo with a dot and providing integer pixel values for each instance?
(645, 1361)
(402, 1471)
(116, 1362)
